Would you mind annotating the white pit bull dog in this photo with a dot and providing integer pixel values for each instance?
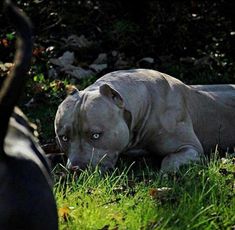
(139, 111)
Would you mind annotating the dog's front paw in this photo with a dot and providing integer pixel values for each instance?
(170, 164)
(173, 161)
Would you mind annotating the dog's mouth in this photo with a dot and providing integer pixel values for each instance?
(105, 164)
(102, 169)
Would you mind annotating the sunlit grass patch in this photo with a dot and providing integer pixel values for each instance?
(199, 197)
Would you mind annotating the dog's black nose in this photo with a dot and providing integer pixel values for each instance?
(75, 166)
(70, 166)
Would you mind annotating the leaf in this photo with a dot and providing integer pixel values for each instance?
(64, 213)
(160, 193)
(57, 85)
(5, 42)
(10, 36)
(38, 88)
(38, 51)
(70, 88)
(39, 78)
(153, 192)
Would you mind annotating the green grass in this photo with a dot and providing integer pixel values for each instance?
(199, 197)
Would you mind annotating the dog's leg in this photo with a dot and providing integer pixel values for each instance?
(173, 161)
(12, 86)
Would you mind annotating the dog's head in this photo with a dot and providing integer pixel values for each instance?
(94, 129)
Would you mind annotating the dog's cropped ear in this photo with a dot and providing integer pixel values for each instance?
(112, 94)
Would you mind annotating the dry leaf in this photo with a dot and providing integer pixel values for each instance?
(70, 89)
(64, 213)
(5, 42)
(159, 193)
(38, 51)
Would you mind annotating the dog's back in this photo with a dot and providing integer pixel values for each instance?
(27, 200)
(26, 197)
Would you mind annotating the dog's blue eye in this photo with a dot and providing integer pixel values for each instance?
(65, 138)
(95, 136)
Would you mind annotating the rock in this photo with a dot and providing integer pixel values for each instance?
(98, 67)
(146, 62)
(121, 62)
(77, 72)
(101, 59)
(148, 59)
(187, 60)
(66, 59)
(52, 73)
(65, 63)
(206, 61)
(166, 58)
(114, 53)
(74, 41)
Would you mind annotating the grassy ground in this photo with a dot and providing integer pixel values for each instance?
(200, 197)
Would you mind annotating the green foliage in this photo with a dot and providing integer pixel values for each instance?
(86, 82)
(39, 78)
(10, 36)
(54, 87)
(200, 197)
(46, 95)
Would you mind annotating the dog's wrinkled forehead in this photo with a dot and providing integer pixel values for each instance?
(65, 109)
(93, 108)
